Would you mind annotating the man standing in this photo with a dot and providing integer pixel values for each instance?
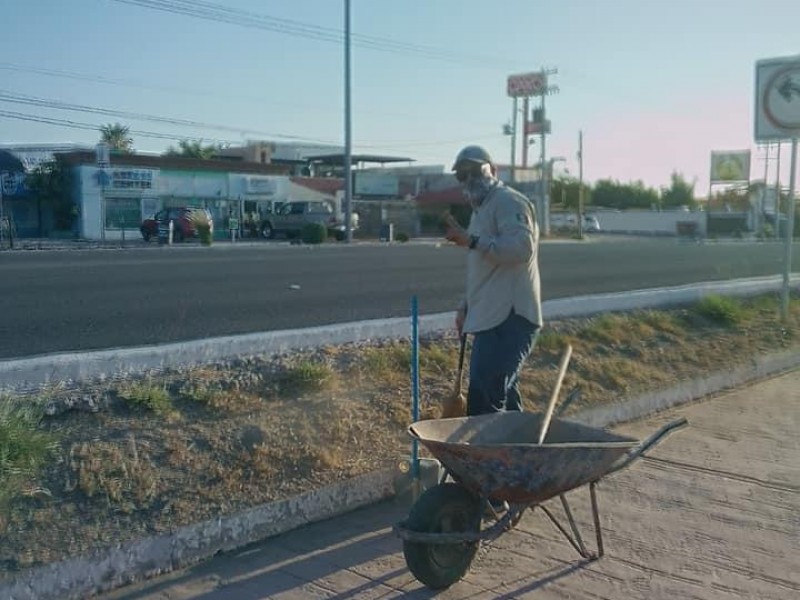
(502, 308)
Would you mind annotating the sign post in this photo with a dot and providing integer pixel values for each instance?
(777, 118)
(527, 86)
(103, 155)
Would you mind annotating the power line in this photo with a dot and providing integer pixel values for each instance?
(70, 124)
(59, 105)
(216, 12)
(77, 76)
(15, 98)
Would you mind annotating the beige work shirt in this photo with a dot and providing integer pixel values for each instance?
(503, 269)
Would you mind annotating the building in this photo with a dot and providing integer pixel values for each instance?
(113, 202)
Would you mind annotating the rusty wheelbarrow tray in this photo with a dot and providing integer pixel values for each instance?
(497, 457)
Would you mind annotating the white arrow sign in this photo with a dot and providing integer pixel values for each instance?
(777, 99)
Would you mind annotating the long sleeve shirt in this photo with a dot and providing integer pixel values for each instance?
(502, 269)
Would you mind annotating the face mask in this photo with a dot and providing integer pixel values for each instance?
(477, 188)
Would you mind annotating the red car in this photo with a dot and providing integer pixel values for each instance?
(185, 219)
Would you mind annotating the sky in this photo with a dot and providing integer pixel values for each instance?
(654, 85)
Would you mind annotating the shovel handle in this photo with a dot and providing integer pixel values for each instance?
(562, 370)
(461, 351)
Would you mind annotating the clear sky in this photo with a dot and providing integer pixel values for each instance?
(654, 85)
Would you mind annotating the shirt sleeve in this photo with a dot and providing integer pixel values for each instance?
(517, 232)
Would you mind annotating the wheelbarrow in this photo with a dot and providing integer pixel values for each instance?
(523, 459)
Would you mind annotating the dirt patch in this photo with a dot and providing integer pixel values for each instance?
(146, 455)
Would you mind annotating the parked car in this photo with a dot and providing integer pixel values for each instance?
(290, 218)
(590, 223)
(185, 218)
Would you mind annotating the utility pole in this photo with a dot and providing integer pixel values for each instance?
(579, 216)
(348, 150)
(544, 178)
(514, 140)
(763, 203)
(778, 185)
(525, 112)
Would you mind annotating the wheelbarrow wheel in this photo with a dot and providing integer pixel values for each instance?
(443, 508)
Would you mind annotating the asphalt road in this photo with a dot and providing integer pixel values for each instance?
(56, 301)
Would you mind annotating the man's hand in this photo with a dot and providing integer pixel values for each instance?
(461, 315)
(454, 232)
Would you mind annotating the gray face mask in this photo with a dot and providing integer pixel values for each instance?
(477, 188)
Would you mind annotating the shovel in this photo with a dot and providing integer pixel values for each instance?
(455, 405)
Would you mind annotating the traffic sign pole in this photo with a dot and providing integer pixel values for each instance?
(787, 263)
(777, 118)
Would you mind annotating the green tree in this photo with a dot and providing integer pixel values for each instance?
(193, 149)
(613, 194)
(566, 190)
(118, 137)
(51, 184)
(679, 193)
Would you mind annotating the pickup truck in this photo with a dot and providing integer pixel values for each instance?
(292, 216)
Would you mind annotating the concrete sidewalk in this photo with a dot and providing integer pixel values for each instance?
(714, 512)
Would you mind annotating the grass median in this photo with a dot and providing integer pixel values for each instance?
(117, 460)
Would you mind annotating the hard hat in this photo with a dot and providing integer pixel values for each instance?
(472, 155)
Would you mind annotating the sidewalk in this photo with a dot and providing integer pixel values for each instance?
(714, 512)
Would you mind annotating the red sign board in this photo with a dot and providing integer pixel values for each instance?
(526, 84)
(532, 127)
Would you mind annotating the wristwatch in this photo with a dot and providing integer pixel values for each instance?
(473, 241)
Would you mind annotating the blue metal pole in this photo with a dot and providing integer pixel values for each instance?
(414, 383)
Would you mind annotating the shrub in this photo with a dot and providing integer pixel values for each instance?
(148, 397)
(401, 237)
(720, 310)
(306, 376)
(24, 447)
(314, 233)
(767, 232)
(204, 233)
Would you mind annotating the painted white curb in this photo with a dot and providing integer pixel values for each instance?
(31, 373)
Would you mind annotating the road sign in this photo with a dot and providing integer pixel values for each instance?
(526, 84)
(730, 166)
(777, 99)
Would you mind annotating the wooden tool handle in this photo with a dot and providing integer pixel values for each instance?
(562, 370)
(459, 376)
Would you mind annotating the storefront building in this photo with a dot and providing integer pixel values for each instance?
(112, 202)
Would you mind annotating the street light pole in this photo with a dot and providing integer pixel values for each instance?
(580, 185)
(348, 179)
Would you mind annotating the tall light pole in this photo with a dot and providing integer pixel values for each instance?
(580, 185)
(348, 149)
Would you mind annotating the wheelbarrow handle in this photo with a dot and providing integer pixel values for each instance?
(654, 439)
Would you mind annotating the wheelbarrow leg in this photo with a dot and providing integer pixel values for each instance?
(574, 527)
(596, 515)
(575, 542)
(574, 538)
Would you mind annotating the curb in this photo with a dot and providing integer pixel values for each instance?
(110, 568)
(28, 374)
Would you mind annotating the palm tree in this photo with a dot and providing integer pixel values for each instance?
(193, 149)
(118, 137)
